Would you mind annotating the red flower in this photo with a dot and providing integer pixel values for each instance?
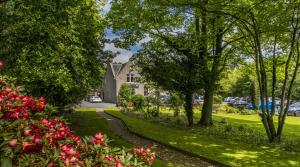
(107, 157)
(1, 64)
(13, 143)
(98, 139)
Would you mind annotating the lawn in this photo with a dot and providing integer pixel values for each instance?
(86, 122)
(291, 127)
(225, 151)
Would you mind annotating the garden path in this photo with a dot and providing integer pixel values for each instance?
(165, 153)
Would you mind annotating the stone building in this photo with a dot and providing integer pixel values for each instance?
(117, 74)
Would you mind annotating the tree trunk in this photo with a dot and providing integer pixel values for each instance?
(290, 88)
(206, 116)
(253, 95)
(274, 78)
(189, 108)
(176, 112)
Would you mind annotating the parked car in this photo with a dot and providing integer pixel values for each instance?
(95, 99)
(198, 100)
(240, 103)
(165, 99)
(277, 106)
(249, 106)
(294, 110)
(227, 99)
(233, 100)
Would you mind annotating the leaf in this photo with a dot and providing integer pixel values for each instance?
(6, 162)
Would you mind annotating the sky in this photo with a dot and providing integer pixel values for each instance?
(125, 54)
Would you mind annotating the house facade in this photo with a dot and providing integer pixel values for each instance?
(116, 75)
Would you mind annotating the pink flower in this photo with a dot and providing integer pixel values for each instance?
(27, 132)
(13, 143)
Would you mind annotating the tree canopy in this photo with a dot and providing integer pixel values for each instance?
(53, 47)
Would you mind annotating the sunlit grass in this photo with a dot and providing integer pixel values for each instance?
(222, 150)
(291, 127)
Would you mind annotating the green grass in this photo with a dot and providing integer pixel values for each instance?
(291, 126)
(221, 150)
(86, 122)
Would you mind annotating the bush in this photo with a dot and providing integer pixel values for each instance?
(175, 102)
(241, 108)
(31, 137)
(218, 99)
(153, 111)
(125, 92)
(227, 109)
(138, 102)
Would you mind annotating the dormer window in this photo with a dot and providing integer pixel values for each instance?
(130, 77)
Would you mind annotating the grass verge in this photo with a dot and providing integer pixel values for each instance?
(221, 150)
(86, 122)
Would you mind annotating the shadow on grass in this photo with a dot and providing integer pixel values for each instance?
(221, 150)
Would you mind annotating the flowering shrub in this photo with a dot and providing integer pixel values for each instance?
(31, 137)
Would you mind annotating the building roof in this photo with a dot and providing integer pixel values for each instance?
(118, 67)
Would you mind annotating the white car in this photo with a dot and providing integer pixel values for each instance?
(95, 99)
(294, 109)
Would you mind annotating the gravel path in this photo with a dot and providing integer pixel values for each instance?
(163, 152)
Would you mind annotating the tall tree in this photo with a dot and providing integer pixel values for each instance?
(53, 47)
(206, 33)
(171, 70)
(254, 20)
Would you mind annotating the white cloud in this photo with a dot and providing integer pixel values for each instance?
(145, 40)
(124, 55)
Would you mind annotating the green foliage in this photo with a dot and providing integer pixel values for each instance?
(125, 92)
(218, 99)
(138, 102)
(243, 143)
(227, 109)
(175, 102)
(53, 48)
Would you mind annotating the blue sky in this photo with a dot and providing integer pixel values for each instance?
(125, 54)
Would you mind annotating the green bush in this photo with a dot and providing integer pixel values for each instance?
(227, 109)
(241, 108)
(152, 112)
(138, 102)
(218, 99)
(125, 92)
(175, 102)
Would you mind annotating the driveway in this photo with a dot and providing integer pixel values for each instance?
(95, 105)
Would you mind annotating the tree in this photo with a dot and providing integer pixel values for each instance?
(175, 103)
(283, 34)
(171, 70)
(53, 47)
(189, 28)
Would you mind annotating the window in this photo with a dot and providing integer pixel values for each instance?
(130, 77)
